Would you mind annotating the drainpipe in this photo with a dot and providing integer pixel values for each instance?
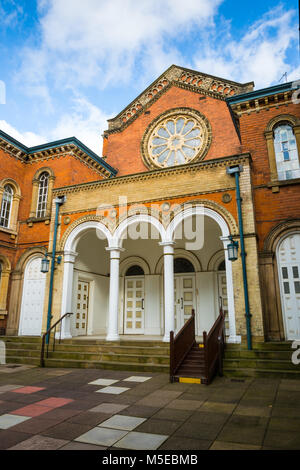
(236, 172)
(58, 202)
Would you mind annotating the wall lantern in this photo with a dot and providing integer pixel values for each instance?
(232, 249)
(45, 265)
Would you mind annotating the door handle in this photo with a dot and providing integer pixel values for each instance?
(181, 302)
(143, 300)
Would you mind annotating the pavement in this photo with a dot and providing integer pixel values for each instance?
(88, 409)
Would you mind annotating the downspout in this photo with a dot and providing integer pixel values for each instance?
(58, 202)
(236, 171)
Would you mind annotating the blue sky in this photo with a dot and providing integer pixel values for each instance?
(69, 65)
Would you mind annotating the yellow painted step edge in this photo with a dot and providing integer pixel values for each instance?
(189, 380)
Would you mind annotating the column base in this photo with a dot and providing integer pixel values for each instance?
(234, 339)
(112, 338)
(166, 338)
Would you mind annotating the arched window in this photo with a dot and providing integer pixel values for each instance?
(183, 265)
(286, 154)
(134, 271)
(42, 195)
(6, 206)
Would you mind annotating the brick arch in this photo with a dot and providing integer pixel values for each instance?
(293, 120)
(278, 232)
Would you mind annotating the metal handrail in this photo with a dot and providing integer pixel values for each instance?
(47, 334)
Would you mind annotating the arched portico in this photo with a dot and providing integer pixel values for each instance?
(142, 240)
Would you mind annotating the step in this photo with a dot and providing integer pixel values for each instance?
(259, 354)
(267, 373)
(20, 339)
(62, 363)
(272, 345)
(260, 364)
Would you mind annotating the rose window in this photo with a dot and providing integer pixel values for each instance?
(176, 140)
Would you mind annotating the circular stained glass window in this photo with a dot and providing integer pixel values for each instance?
(176, 139)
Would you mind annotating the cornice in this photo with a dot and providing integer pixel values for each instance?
(154, 174)
(180, 77)
(61, 148)
(256, 104)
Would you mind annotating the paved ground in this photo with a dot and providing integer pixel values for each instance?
(73, 409)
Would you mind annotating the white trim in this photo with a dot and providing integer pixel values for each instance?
(73, 238)
(133, 261)
(119, 233)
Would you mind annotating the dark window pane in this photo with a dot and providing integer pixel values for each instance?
(285, 273)
(182, 265)
(134, 271)
(286, 287)
(297, 287)
(295, 272)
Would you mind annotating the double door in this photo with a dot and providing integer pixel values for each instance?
(134, 318)
(81, 318)
(184, 297)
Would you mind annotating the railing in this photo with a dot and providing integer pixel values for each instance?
(214, 344)
(181, 344)
(48, 333)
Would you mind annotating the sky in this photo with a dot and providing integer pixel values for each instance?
(66, 66)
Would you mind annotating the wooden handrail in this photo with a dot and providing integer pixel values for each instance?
(181, 344)
(42, 361)
(214, 343)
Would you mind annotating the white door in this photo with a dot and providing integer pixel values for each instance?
(32, 299)
(134, 305)
(289, 278)
(184, 296)
(82, 301)
(222, 290)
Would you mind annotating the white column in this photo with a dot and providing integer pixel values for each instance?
(67, 293)
(233, 338)
(112, 331)
(169, 288)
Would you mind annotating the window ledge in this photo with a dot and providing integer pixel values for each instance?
(34, 220)
(11, 232)
(277, 183)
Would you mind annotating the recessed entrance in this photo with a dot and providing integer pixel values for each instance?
(184, 291)
(289, 279)
(32, 299)
(134, 322)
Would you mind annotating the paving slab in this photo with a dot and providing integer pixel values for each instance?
(104, 382)
(185, 443)
(101, 436)
(159, 426)
(141, 441)
(244, 430)
(66, 430)
(113, 390)
(109, 408)
(9, 420)
(138, 379)
(125, 423)
(10, 438)
(39, 443)
(220, 445)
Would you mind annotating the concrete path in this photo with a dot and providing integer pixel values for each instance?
(73, 409)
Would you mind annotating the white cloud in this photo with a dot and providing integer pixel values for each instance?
(97, 42)
(260, 55)
(30, 139)
(85, 121)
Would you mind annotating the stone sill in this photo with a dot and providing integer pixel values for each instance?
(10, 232)
(275, 185)
(34, 220)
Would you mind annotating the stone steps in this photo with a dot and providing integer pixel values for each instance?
(136, 355)
(273, 360)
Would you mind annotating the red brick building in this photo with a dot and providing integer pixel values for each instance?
(167, 152)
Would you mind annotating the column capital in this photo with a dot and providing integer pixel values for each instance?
(168, 247)
(115, 251)
(70, 256)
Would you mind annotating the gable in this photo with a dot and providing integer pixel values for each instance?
(180, 77)
(125, 148)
